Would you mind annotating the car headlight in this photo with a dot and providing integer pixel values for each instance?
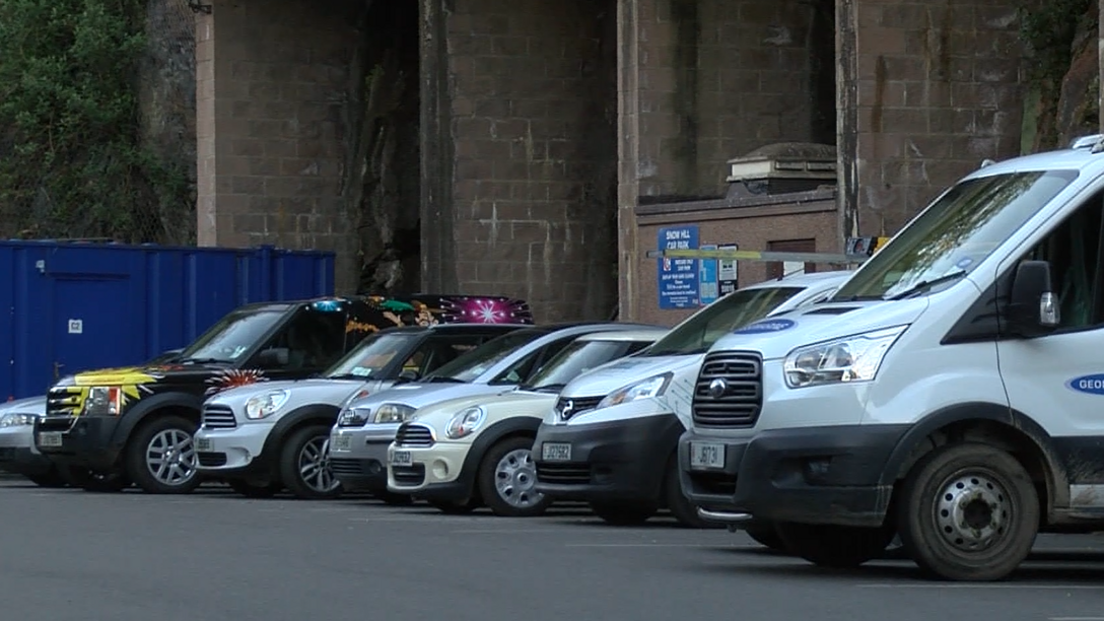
(393, 413)
(652, 387)
(265, 405)
(850, 359)
(17, 420)
(355, 417)
(104, 401)
(465, 423)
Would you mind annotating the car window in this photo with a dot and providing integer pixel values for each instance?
(371, 356)
(315, 340)
(474, 363)
(438, 350)
(523, 370)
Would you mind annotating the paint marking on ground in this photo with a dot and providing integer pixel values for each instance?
(648, 545)
(1049, 587)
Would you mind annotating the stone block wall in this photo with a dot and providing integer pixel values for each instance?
(938, 90)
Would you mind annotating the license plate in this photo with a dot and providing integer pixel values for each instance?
(706, 455)
(341, 443)
(51, 439)
(402, 458)
(556, 451)
(204, 445)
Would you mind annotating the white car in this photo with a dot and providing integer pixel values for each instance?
(458, 452)
(613, 436)
(18, 454)
(263, 437)
(367, 425)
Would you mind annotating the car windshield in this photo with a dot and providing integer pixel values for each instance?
(232, 336)
(959, 231)
(476, 362)
(576, 359)
(371, 356)
(698, 333)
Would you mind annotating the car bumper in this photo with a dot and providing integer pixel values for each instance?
(18, 453)
(811, 475)
(434, 473)
(88, 442)
(358, 456)
(623, 460)
(233, 453)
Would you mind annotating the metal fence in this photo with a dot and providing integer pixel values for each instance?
(100, 145)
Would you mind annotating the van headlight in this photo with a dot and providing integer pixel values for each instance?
(652, 387)
(393, 413)
(465, 423)
(265, 405)
(850, 359)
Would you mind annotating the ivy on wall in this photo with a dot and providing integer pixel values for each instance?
(71, 159)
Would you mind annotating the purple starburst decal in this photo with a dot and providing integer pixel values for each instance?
(486, 310)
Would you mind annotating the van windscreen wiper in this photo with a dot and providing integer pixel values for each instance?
(928, 284)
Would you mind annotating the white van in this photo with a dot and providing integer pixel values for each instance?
(950, 392)
(612, 436)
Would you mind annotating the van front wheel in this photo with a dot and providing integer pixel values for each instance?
(968, 512)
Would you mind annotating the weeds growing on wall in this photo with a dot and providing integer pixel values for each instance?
(71, 160)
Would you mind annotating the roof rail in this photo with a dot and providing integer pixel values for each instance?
(1084, 142)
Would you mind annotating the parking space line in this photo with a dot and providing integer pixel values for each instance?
(648, 545)
(1076, 619)
(1050, 587)
(505, 531)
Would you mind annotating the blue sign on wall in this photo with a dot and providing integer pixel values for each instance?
(707, 278)
(678, 278)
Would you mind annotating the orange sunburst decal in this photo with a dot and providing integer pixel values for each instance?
(233, 378)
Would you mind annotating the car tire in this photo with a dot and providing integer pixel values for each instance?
(454, 508)
(164, 437)
(838, 547)
(678, 504)
(765, 534)
(253, 490)
(969, 481)
(506, 478)
(624, 513)
(100, 483)
(306, 448)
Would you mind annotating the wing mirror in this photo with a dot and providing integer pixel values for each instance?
(1034, 308)
(408, 376)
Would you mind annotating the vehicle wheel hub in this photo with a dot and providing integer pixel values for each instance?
(314, 465)
(973, 512)
(515, 476)
(171, 457)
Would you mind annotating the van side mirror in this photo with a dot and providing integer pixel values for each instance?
(408, 376)
(1034, 307)
(273, 357)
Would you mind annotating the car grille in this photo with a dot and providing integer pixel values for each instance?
(561, 474)
(346, 466)
(409, 475)
(211, 460)
(729, 390)
(418, 436)
(567, 408)
(218, 417)
(60, 412)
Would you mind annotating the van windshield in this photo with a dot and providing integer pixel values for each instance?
(698, 333)
(959, 231)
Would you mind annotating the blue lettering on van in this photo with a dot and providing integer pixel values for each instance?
(1089, 384)
(763, 327)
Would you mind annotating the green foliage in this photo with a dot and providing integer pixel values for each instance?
(71, 160)
(1048, 27)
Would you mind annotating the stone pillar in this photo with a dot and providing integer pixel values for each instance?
(271, 79)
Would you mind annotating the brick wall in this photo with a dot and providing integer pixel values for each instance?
(938, 91)
(531, 112)
(271, 78)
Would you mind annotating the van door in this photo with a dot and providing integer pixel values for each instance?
(1058, 379)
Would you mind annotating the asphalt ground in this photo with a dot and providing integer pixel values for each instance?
(213, 556)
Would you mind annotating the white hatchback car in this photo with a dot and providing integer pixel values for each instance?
(476, 449)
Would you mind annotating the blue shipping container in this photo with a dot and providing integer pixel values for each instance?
(82, 306)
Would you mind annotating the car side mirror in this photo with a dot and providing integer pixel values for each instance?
(1034, 308)
(273, 357)
(408, 376)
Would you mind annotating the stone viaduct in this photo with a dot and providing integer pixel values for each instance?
(528, 135)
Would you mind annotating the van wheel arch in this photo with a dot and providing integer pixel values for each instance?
(1031, 450)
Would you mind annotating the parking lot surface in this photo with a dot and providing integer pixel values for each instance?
(69, 555)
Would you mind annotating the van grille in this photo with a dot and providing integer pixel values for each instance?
(567, 408)
(729, 390)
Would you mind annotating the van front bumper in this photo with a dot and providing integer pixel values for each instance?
(810, 475)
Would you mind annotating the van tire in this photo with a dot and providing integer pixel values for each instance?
(830, 545)
(953, 479)
(678, 504)
(765, 534)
